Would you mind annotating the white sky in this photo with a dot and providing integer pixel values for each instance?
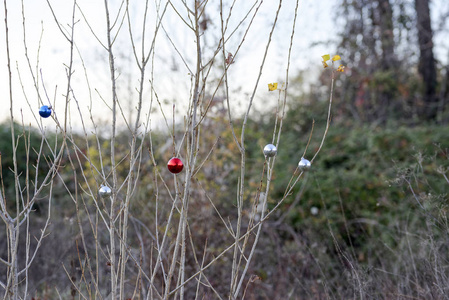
(314, 25)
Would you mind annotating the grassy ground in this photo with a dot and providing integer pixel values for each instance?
(369, 221)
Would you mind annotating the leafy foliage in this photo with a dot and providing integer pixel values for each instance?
(26, 140)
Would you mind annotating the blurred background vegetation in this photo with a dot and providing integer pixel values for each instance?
(370, 218)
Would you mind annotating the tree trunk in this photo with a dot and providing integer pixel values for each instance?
(426, 67)
(388, 58)
(388, 62)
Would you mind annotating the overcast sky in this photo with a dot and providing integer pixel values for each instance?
(315, 26)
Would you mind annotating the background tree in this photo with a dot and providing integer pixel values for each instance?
(426, 64)
(387, 41)
(368, 39)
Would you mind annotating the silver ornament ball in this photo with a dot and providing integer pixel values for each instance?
(105, 191)
(304, 165)
(270, 150)
(314, 210)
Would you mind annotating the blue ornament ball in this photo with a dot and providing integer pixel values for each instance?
(45, 111)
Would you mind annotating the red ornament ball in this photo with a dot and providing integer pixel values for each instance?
(175, 165)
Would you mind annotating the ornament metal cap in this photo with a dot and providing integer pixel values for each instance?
(270, 150)
(105, 191)
(304, 165)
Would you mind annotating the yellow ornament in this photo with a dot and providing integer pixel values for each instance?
(272, 86)
(336, 57)
(326, 57)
